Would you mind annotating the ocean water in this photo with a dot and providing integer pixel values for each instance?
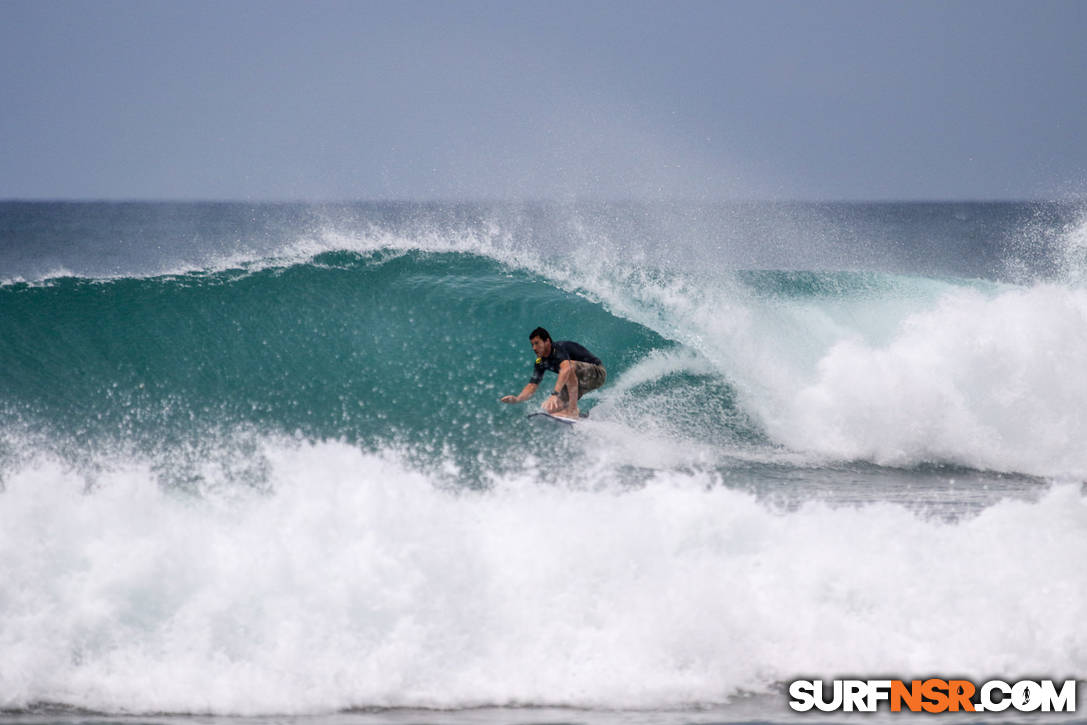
(253, 467)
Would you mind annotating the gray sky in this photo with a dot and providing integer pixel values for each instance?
(559, 100)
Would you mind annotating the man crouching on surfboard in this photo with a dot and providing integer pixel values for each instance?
(579, 372)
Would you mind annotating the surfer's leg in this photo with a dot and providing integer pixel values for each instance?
(569, 390)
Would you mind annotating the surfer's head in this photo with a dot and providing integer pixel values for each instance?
(541, 341)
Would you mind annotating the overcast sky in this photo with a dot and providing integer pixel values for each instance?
(557, 100)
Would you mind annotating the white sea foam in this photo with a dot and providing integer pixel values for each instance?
(55, 273)
(357, 581)
(986, 381)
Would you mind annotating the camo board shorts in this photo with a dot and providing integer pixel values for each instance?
(589, 377)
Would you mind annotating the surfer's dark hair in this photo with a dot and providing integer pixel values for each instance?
(540, 333)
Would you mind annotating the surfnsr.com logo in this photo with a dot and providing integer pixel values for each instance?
(933, 695)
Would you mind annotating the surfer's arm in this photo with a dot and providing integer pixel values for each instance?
(521, 397)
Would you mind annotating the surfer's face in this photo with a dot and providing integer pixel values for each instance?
(542, 348)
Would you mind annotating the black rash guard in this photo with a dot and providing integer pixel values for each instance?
(561, 350)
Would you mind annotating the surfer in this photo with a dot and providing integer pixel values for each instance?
(579, 372)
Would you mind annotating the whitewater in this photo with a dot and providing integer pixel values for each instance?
(253, 463)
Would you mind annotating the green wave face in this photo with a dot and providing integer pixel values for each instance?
(413, 347)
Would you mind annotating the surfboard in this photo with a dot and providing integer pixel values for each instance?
(557, 418)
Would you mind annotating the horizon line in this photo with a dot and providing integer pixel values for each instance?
(439, 200)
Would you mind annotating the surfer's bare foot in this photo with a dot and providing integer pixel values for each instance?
(567, 413)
